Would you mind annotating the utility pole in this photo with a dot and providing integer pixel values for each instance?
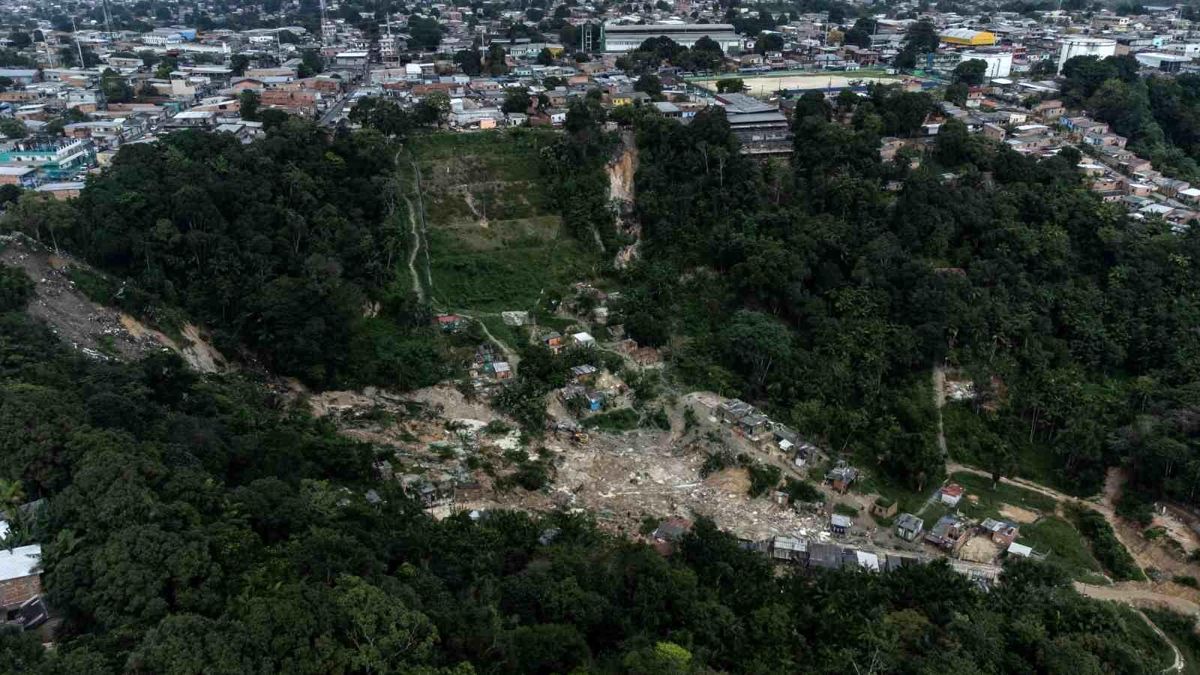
(108, 20)
(78, 47)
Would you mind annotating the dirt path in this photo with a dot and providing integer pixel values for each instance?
(1104, 507)
(1134, 595)
(419, 229)
(939, 400)
(509, 354)
(416, 249)
(1139, 593)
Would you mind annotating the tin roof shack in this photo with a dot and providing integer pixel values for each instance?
(949, 533)
(501, 370)
(733, 410)
(669, 533)
(841, 476)
(431, 491)
(789, 549)
(824, 556)
(753, 425)
(1001, 532)
(578, 399)
(840, 525)
(553, 341)
(583, 374)
(909, 527)
(20, 577)
(1019, 550)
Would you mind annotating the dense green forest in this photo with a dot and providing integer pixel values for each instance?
(809, 287)
(204, 525)
(288, 247)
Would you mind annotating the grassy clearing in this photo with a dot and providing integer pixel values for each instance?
(495, 241)
(1034, 461)
(616, 421)
(509, 279)
(1066, 546)
(503, 332)
(906, 500)
(984, 500)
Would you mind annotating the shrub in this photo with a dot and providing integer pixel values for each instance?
(15, 289)
(803, 491)
(1105, 545)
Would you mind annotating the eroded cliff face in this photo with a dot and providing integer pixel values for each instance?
(622, 169)
(621, 172)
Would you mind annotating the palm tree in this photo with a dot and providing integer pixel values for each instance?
(12, 495)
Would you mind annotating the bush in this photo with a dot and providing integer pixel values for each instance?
(803, 491)
(763, 478)
(1105, 545)
(15, 289)
(1184, 580)
(496, 428)
(1136, 507)
(717, 461)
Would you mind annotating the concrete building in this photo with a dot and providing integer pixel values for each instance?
(619, 38)
(53, 161)
(761, 127)
(20, 579)
(1085, 46)
(1168, 63)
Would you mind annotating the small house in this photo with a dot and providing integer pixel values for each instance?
(752, 425)
(951, 494)
(788, 549)
(884, 507)
(895, 561)
(909, 527)
(553, 341)
(949, 533)
(583, 374)
(594, 401)
(842, 476)
(867, 561)
(824, 556)
(502, 370)
(839, 524)
(733, 410)
(1001, 532)
(449, 323)
(584, 340)
(20, 577)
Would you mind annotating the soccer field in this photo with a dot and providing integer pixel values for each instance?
(766, 85)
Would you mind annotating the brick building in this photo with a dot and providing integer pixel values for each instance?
(20, 576)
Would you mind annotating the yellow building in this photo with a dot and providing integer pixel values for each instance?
(967, 37)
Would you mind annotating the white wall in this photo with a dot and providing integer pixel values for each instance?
(999, 64)
(1073, 47)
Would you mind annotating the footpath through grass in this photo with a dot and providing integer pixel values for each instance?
(495, 241)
